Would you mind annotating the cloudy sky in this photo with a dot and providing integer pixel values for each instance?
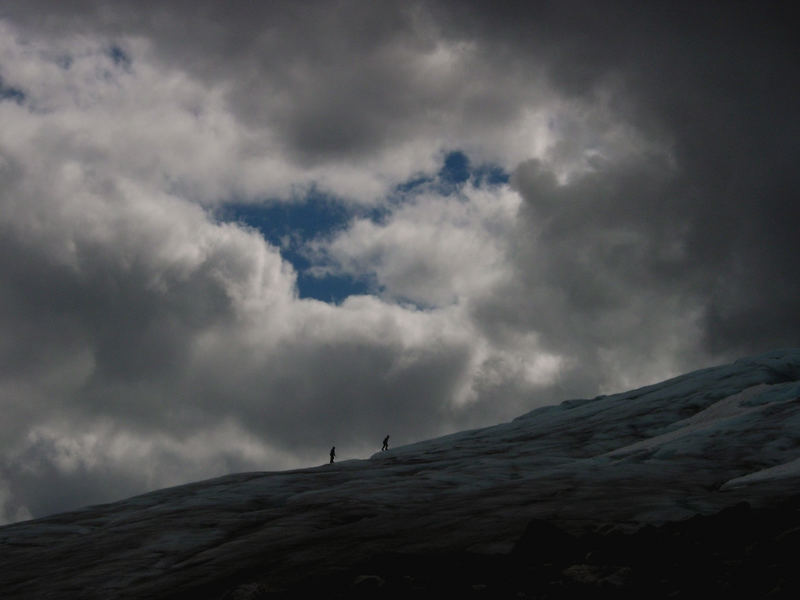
(234, 234)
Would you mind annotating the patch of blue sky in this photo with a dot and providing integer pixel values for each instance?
(333, 289)
(456, 168)
(287, 224)
(9, 92)
(456, 171)
(292, 226)
(415, 183)
(120, 57)
(489, 175)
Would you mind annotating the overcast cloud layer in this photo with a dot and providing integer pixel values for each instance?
(649, 225)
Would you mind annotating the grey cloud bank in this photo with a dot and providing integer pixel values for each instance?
(649, 226)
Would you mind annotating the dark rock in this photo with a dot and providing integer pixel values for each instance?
(543, 542)
(248, 591)
(368, 582)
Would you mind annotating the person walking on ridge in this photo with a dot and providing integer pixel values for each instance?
(333, 454)
(385, 443)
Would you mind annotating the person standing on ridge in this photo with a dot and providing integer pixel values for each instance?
(385, 443)
(333, 454)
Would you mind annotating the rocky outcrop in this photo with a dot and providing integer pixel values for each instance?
(740, 551)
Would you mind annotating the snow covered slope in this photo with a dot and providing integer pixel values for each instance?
(690, 445)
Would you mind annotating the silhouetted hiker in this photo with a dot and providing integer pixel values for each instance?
(385, 443)
(333, 454)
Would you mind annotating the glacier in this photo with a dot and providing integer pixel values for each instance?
(693, 445)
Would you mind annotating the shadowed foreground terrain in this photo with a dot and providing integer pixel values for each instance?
(740, 550)
(680, 488)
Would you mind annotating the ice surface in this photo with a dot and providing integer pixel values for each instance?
(787, 470)
(689, 445)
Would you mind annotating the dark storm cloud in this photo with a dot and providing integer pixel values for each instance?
(346, 390)
(603, 273)
(335, 81)
(328, 75)
(718, 84)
